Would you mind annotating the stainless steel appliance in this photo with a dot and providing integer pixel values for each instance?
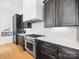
(30, 44)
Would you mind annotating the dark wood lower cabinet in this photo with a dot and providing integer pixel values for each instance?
(67, 56)
(68, 53)
(21, 41)
(46, 50)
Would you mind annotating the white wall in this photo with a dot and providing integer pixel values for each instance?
(5, 23)
(32, 9)
(29, 9)
(66, 36)
(7, 10)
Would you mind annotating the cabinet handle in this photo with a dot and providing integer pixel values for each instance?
(59, 54)
(45, 1)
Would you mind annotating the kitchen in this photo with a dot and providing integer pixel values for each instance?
(44, 29)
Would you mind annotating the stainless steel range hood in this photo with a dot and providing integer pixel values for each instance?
(34, 20)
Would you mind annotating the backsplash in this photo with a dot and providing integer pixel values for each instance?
(60, 35)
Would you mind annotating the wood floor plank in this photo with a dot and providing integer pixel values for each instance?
(12, 51)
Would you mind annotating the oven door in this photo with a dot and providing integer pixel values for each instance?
(30, 47)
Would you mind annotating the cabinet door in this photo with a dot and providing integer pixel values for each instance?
(67, 56)
(19, 22)
(49, 13)
(68, 15)
(68, 53)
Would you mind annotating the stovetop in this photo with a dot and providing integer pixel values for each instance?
(35, 35)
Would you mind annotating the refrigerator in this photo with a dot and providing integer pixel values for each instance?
(17, 26)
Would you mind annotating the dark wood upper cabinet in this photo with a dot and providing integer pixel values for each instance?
(61, 13)
(68, 13)
(18, 21)
(49, 13)
(27, 24)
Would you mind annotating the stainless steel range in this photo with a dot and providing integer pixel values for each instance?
(30, 44)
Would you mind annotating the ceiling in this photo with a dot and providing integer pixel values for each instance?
(12, 6)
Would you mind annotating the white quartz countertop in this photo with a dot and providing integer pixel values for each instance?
(60, 42)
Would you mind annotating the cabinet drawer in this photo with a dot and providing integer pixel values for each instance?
(68, 53)
(49, 45)
(67, 56)
(45, 55)
(49, 49)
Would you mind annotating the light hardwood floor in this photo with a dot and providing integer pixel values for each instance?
(12, 51)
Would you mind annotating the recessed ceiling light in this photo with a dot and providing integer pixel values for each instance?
(8, 5)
